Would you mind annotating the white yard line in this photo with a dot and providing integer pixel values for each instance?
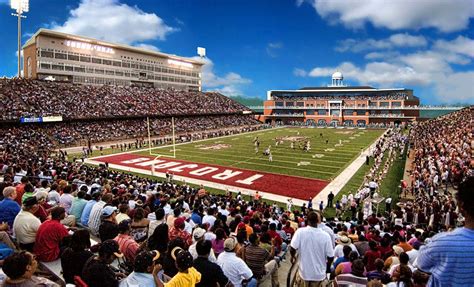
(178, 144)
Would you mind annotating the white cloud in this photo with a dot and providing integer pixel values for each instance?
(299, 72)
(229, 84)
(456, 88)
(394, 41)
(444, 15)
(147, 47)
(272, 49)
(460, 45)
(113, 21)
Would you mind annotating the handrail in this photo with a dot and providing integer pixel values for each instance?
(291, 277)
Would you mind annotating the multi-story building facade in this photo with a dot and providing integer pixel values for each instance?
(341, 105)
(64, 57)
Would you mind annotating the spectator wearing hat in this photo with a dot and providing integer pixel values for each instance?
(343, 241)
(96, 213)
(145, 270)
(128, 246)
(108, 229)
(394, 259)
(43, 207)
(187, 275)
(78, 203)
(234, 267)
(50, 235)
(315, 256)
(198, 235)
(19, 268)
(26, 225)
(178, 231)
(97, 270)
(211, 273)
(86, 212)
(9, 208)
(75, 255)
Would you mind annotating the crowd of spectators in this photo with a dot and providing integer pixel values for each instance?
(33, 98)
(80, 133)
(150, 231)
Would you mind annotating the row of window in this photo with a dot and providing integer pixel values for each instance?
(345, 112)
(108, 62)
(371, 104)
(118, 82)
(127, 74)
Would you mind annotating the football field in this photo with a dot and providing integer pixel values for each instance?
(234, 161)
(322, 161)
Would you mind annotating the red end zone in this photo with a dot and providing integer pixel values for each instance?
(284, 185)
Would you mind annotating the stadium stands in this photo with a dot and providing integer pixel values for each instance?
(443, 150)
(32, 98)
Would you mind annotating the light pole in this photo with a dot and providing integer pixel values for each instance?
(21, 6)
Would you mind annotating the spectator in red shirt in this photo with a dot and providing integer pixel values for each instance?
(371, 255)
(289, 230)
(178, 231)
(50, 235)
(276, 237)
(20, 189)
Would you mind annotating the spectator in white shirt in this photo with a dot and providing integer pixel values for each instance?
(234, 267)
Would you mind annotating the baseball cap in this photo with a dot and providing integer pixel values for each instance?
(229, 244)
(108, 210)
(198, 233)
(179, 222)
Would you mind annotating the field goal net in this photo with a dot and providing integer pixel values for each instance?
(155, 151)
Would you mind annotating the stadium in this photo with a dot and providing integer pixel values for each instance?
(119, 167)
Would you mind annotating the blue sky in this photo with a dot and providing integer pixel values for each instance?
(255, 46)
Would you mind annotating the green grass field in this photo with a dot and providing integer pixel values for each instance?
(323, 161)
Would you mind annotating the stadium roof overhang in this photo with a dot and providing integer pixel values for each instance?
(47, 32)
(332, 90)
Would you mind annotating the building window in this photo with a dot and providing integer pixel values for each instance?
(59, 67)
(107, 62)
(72, 57)
(61, 56)
(47, 54)
(109, 72)
(80, 69)
(126, 65)
(45, 66)
(85, 59)
(69, 68)
(117, 73)
(99, 71)
(134, 66)
(96, 61)
(117, 64)
(361, 112)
